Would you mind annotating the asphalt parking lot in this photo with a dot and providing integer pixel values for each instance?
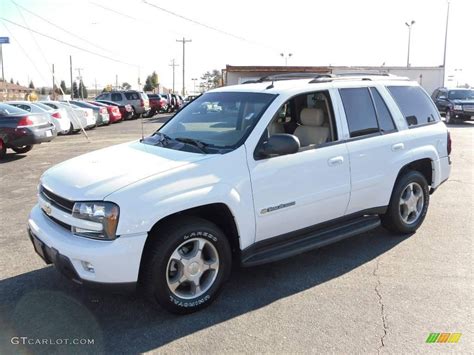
(372, 293)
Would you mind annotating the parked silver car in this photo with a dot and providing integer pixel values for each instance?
(79, 117)
(62, 124)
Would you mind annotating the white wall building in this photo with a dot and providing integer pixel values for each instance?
(429, 78)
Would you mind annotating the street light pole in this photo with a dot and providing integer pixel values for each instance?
(194, 85)
(286, 57)
(445, 44)
(409, 25)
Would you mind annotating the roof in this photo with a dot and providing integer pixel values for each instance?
(321, 83)
(9, 86)
(279, 69)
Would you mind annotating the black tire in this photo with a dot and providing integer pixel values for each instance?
(71, 129)
(22, 150)
(448, 119)
(153, 276)
(3, 149)
(392, 220)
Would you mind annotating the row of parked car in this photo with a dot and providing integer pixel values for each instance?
(25, 123)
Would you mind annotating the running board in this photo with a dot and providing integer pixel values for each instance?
(291, 244)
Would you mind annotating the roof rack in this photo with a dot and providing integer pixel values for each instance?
(359, 76)
(292, 76)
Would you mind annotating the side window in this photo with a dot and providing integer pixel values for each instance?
(116, 97)
(383, 114)
(360, 112)
(132, 96)
(416, 106)
(309, 117)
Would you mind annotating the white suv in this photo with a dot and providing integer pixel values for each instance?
(245, 174)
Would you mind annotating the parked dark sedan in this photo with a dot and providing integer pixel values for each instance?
(20, 129)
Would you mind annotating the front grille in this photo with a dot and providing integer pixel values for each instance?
(58, 222)
(469, 108)
(56, 201)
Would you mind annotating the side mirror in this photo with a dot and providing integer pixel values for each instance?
(279, 144)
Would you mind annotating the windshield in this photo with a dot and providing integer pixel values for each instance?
(43, 106)
(220, 119)
(461, 94)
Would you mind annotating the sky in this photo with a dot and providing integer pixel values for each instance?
(137, 38)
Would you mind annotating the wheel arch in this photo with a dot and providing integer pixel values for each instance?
(423, 165)
(218, 213)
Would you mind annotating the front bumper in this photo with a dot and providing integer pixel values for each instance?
(114, 262)
(463, 115)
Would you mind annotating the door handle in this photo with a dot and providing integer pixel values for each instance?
(398, 146)
(336, 161)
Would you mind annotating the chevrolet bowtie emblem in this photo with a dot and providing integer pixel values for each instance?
(47, 209)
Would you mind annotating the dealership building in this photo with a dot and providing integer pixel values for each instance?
(429, 78)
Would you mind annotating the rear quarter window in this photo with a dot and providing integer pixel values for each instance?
(415, 104)
(132, 96)
(117, 97)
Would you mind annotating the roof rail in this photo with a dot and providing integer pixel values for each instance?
(359, 76)
(290, 76)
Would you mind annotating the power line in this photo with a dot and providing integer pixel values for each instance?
(61, 28)
(204, 25)
(69, 44)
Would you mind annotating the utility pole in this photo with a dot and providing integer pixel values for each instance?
(54, 92)
(184, 41)
(445, 44)
(95, 84)
(116, 81)
(70, 71)
(174, 65)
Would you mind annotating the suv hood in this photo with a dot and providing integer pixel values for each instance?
(460, 102)
(95, 175)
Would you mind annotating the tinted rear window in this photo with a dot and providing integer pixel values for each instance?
(383, 114)
(132, 96)
(415, 104)
(360, 112)
(10, 110)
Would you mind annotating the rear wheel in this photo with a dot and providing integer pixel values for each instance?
(186, 265)
(408, 204)
(3, 149)
(22, 149)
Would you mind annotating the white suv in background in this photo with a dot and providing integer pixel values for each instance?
(245, 175)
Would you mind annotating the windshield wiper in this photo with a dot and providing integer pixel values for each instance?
(163, 138)
(195, 142)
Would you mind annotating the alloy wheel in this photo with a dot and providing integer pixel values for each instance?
(412, 201)
(192, 268)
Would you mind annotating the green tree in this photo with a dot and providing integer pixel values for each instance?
(148, 84)
(31, 86)
(154, 80)
(11, 81)
(75, 91)
(43, 91)
(17, 82)
(63, 86)
(126, 86)
(82, 90)
(210, 80)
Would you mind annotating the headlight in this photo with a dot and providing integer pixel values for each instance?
(104, 214)
(458, 107)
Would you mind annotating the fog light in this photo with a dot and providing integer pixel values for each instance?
(88, 266)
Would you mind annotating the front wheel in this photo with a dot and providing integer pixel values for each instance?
(448, 117)
(3, 149)
(408, 204)
(23, 149)
(186, 265)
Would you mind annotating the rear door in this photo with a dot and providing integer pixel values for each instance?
(376, 147)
